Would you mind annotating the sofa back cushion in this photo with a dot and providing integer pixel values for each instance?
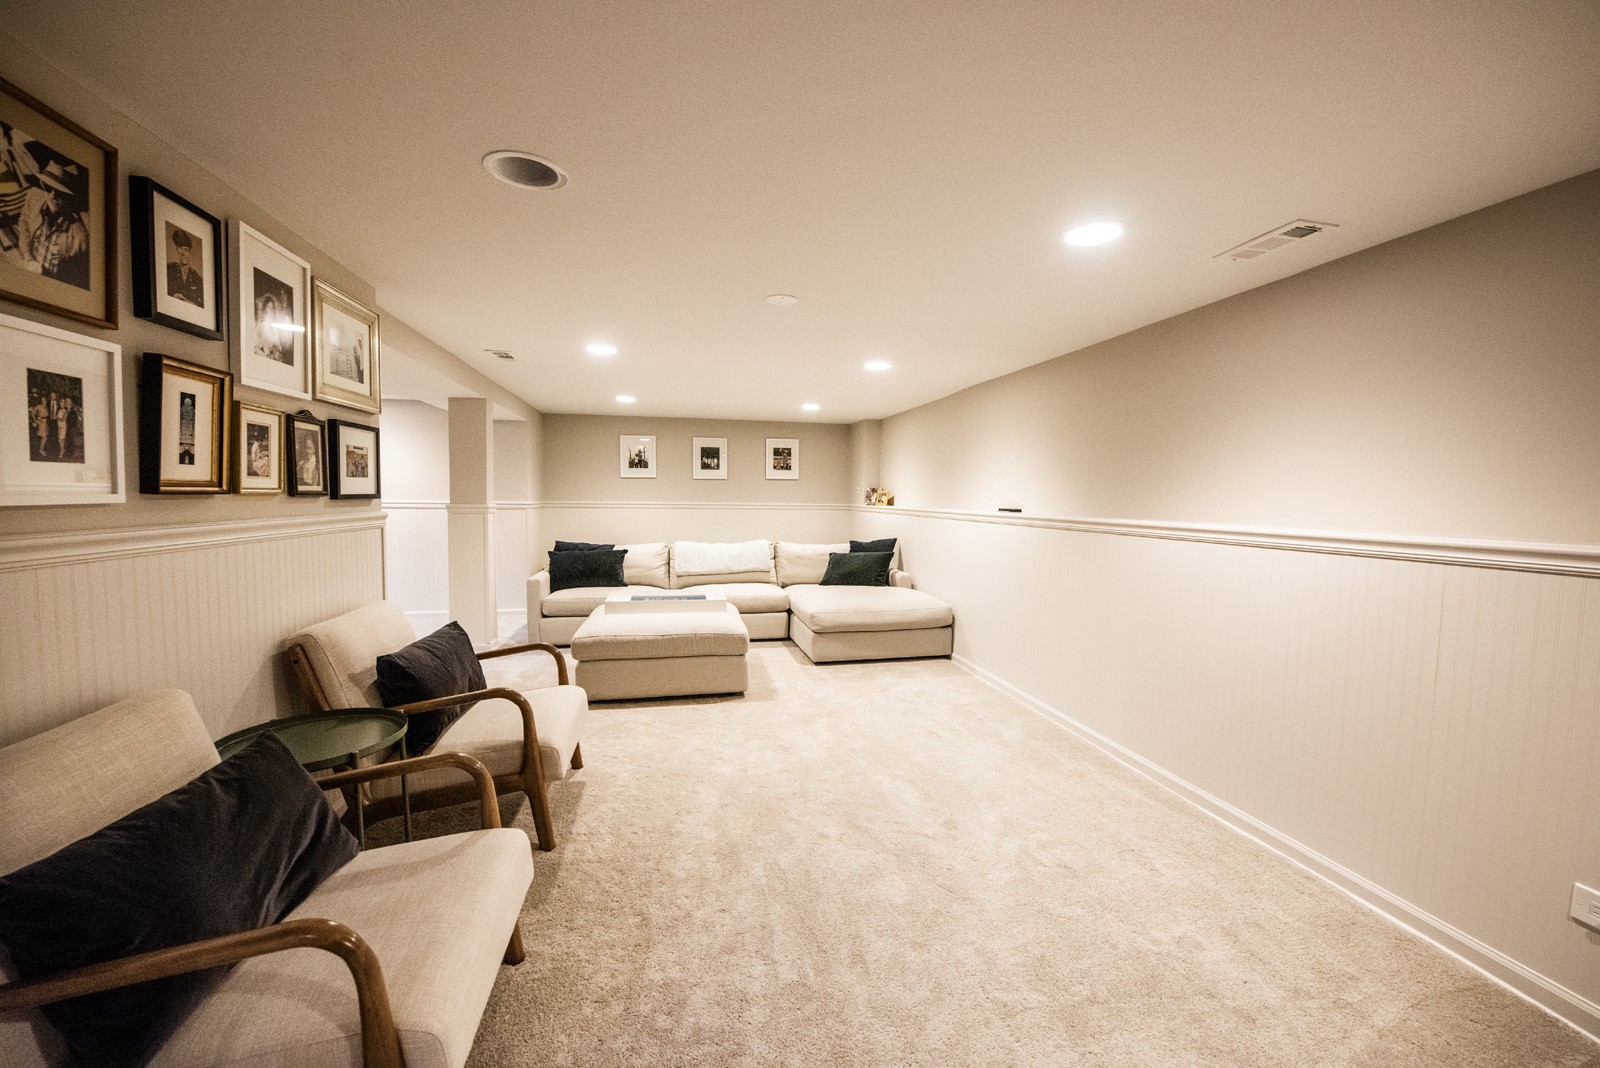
(701, 563)
(67, 783)
(804, 562)
(343, 652)
(646, 564)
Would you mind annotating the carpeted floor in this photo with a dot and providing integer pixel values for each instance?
(894, 864)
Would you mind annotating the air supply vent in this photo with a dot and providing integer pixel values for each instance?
(500, 354)
(1276, 238)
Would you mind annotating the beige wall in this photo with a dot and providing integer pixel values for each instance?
(416, 452)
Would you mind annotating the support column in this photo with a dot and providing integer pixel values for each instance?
(472, 594)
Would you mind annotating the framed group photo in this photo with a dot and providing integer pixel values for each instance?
(177, 260)
(308, 447)
(258, 449)
(636, 456)
(345, 349)
(58, 213)
(185, 410)
(271, 289)
(352, 461)
(710, 457)
(60, 417)
(783, 458)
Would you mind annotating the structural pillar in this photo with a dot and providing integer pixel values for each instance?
(472, 594)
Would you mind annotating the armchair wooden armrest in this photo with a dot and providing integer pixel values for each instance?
(561, 661)
(411, 765)
(530, 736)
(380, 1042)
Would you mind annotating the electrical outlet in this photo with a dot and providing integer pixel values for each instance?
(1586, 906)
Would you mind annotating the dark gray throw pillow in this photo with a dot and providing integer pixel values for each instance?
(438, 665)
(857, 569)
(581, 546)
(577, 570)
(235, 849)
(881, 545)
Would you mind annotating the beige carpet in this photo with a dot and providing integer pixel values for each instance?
(894, 864)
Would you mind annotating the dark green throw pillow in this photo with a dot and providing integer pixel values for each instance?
(595, 567)
(857, 569)
(881, 545)
(581, 546)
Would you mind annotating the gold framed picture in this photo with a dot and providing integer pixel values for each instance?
(258, 449)
(184, 414)
(344, 345)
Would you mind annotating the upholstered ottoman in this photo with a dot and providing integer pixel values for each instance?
(629, 649)
(868, 623)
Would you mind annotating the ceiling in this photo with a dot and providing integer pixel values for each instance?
(905, 169)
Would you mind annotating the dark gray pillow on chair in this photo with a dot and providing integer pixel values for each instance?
(439, 665)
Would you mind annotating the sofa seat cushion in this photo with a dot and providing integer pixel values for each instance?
(749, 597)
(437, 913)
(585, 599)
(656, 635)
(844, 609)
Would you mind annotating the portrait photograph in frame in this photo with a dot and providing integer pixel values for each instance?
(60, 417)
(178, 265)
(58, 213)
(783, 458)
(709, 457)
(185, 412)
(270, 310)
(257, 449)
(307, 444)
(344, 349)
(352, 461)
(636, 456)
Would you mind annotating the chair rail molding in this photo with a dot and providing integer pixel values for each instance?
(723, 506)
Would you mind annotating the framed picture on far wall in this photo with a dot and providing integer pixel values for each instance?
(344, 347)
(184, 414)
(177, 260)
(58, 213)
(783, 458)
(60, 416)
(710, 458)
(352, 461)
(637, 456)
(270, 309)
(258, 449)
(307, 453)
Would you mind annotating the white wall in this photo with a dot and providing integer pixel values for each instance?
(516, 519)
(416, 493)
(1412, 714)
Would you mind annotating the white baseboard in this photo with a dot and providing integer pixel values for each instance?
(510, 620)
(1565, 1005)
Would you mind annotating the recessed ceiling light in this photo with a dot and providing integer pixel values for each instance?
(624, 398)
(877, 365)
(810, 407)
(600, 348)
(1095, 233)
(783, 299)
(524, 169)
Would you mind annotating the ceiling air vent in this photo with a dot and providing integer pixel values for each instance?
(1287, 234)
(500, 354)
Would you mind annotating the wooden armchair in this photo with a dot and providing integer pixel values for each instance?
(525, 738)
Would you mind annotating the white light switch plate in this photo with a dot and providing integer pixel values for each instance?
(1586, 906)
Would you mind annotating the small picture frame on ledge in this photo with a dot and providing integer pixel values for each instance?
(352, 461)
(177, 260)
(184, 415)
(307, 455)
(258, 449)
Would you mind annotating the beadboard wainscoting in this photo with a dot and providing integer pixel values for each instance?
(622, 522)
(1415, 721)
(96, 616)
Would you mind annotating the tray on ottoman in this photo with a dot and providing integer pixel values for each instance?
(626, 652)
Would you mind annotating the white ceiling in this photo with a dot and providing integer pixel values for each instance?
(906, 169)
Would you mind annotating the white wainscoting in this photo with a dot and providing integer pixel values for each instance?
(516, 539)
(1417, 721)
(96, 616)
(645, 521)
(416, 551)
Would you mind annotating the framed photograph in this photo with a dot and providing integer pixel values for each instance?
(258, 449)
(58, 213)
(710, 458)
(177, 260)
(637, 456)
(783, 457)
(184, 414)
(60, 416)
(352, 461)
(345, 349)
(307, 449)
(270, 309)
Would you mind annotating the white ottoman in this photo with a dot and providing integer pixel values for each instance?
(660, 649)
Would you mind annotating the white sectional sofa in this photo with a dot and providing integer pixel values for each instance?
(829, 622)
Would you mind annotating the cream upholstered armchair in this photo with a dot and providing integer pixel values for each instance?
(525, 738)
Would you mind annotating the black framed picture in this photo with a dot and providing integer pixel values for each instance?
(185, 410)
(177, 260)
(352, 461)
(58, 213)
(307, 453)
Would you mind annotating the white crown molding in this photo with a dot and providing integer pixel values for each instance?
(732, 506)
(24, 551)
(1582, 560)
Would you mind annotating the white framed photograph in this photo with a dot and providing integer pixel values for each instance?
(271, 299)
(258, 449)
(783, 458)
(60, 417)
(344, 349)
(637, 456)
(710, 457)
